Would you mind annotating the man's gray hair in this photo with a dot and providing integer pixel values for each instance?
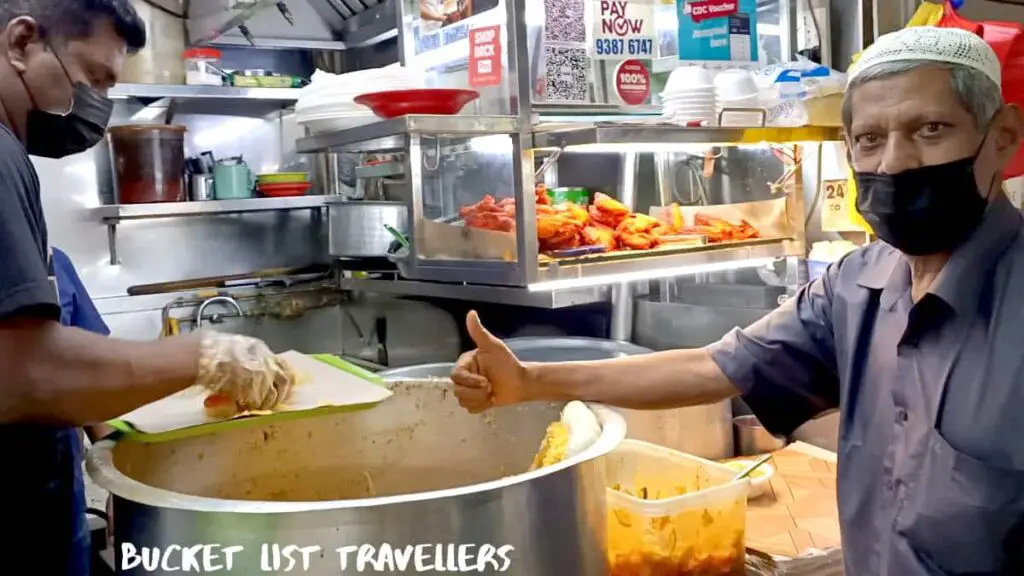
(977, 92)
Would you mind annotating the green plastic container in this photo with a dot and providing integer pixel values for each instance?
(579, 196)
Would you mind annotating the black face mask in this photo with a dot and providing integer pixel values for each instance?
(54, 135)
(926, 210)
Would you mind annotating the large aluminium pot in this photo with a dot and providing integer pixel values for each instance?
(415, 470)
(704, 431)
(357, 226)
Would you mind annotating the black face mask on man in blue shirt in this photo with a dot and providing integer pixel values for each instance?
(926, 210)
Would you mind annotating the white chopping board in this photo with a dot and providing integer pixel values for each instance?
(321, 385)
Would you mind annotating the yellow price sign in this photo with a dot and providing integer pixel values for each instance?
(836, 211)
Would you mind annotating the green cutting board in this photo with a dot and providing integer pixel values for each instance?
(127, 430)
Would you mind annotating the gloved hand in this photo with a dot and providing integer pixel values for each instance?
(245, 370)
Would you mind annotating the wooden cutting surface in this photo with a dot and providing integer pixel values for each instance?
(800, 512)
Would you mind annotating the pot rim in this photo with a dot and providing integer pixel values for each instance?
(100, 466)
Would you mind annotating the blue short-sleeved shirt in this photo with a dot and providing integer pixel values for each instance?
(931, 399)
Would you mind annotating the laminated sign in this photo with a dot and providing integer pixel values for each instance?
(836, 211)
(718, 31)
(623, 29)
(485, 57)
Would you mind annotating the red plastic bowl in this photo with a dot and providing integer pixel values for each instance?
(284, 190)
(439, 101)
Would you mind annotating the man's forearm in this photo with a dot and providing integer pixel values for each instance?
(70, 376)
(671, 379)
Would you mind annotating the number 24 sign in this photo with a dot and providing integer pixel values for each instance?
(835, 207)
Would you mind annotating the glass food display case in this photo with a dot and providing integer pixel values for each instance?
(518, 193)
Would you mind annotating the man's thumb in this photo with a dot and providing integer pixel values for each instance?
(481, 337)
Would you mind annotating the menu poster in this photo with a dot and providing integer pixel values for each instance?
(623, 29)
(718, 30)
(485, 57)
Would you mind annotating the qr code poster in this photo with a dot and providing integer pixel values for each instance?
(565, 74)
(564, 21)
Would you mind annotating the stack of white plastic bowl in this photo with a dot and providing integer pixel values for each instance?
(737, 89)
(689, 96)
(327, 105)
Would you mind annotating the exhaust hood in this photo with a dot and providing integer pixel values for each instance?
(303, 24)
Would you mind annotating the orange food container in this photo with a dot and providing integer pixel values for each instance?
(672, 514)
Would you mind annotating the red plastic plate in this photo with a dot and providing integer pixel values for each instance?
(438, 101)
(283, 190)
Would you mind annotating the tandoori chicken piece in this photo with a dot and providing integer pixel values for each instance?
(575, 212)
(608, 211)
(721, 230)
(541, 192)
(598, 235)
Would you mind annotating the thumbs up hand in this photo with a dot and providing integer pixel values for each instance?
(490, 375)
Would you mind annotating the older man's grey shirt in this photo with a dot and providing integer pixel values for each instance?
(931, 398)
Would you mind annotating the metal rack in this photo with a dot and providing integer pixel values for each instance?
(222, 100)
(514, 271)
(115, 214)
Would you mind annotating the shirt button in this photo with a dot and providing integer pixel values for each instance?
(901, 415)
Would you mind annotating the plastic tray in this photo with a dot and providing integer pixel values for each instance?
(692, 520)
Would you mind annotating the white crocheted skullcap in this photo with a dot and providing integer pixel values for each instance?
(946, 45)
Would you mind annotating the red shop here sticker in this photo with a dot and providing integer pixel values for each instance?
(632, 82)
(485, 57)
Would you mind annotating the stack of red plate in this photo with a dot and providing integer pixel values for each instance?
(284, 190)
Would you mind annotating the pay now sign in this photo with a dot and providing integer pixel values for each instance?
(623, 29)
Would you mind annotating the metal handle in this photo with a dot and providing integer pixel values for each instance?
(227, 300)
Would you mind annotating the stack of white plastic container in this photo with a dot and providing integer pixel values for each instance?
(735, 90)
(689, 96)
(327, 105)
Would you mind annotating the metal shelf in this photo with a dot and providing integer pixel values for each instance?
(647, 134)
(185, 92)
(220, 100)
(659, 263)
(479, 293)
(389, 134)
(112, 215)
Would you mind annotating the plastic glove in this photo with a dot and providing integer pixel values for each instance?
(245, 370)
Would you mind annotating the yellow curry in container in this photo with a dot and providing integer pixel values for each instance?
(672, 514)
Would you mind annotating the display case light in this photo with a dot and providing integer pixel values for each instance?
(638, 275)
(656, 147)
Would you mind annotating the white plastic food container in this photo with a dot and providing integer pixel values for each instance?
(673, 513)
(824, 253)
(199, 67)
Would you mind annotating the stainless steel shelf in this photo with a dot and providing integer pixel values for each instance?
(477, 293)
(217, 100)
(389, 134)
(662, 263)
(639, 134)
(286, 96)
(111, 215)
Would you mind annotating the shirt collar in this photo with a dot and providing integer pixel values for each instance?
(960, 282)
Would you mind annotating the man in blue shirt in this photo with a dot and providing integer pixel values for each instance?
(918, 339)
(78, 310)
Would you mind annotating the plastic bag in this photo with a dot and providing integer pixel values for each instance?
(1007, 40)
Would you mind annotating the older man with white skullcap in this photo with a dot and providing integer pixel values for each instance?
(918, 339)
